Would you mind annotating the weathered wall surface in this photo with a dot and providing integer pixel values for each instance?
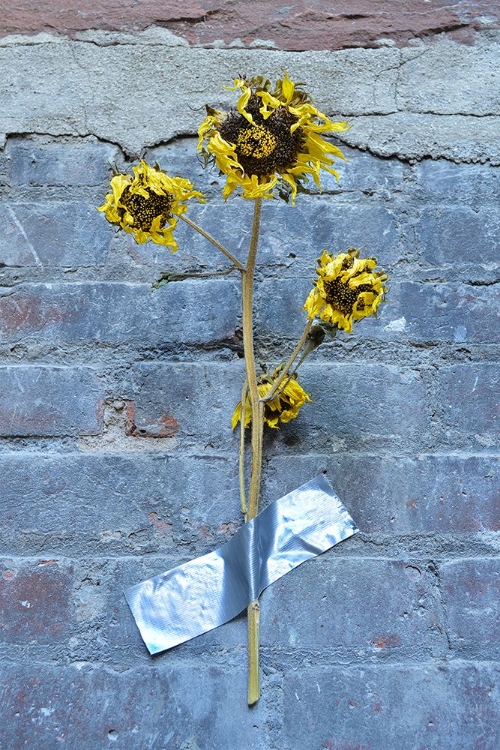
(117, 459)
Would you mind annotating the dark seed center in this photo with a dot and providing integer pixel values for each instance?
(341, 297)
(264, 146)
(145, 210)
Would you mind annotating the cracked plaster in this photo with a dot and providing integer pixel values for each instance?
(139, 90)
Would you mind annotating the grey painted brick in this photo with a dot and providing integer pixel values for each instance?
(52, 234)
(471, 595)
(296, 236)
(80, 162)
(444, 181)
(202, 398)
(187, 312)
(469, 396)
(47, 401)
(365, 173)
(424, 494)
(160, 706)
(416, 311)
(459, 234)
(449, 87)
(360, 406)
(376, 707)
(319, 223)
(370, 606)
(444, 312)
(35, 601)
(117, 504)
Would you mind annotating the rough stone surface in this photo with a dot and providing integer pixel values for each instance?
(117, 458)
(296, 26)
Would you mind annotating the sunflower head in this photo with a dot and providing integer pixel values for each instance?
(281, 408)
(147, 202)
(347, 289)
(272, 140)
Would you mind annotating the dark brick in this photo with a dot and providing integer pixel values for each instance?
(117, 504)
(35, 601)
(401, 494)
(471, 595)
(459, 234)
(370, 606)
(49, 401)
(180, 158)
(52, 234)
(115, 312)
(376, 707)
(83, 162)
(163, 706)
(367, 174)
(469, 395)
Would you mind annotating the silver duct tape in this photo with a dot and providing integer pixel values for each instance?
(206, 592)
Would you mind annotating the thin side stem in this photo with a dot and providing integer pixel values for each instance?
(257, 425)
(215, 242)
(284, 372)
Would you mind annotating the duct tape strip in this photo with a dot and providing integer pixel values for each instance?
(206, 592)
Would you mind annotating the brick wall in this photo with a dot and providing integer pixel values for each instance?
(117, 459)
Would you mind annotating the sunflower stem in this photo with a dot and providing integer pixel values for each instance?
(257, 425)
(243, 498)
(215, 242)
(284, 372)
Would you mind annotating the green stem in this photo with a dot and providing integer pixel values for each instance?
(215, 242)
(257, 425)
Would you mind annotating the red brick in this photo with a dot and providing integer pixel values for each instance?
(299, 25)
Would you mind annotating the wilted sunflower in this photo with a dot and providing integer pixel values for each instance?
(282, 407)
(347, 289)
(273, 139)
(147, 203)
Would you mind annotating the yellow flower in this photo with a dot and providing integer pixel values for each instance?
(272, 140)
(147, 203)
(282, 407)
(347, 289)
